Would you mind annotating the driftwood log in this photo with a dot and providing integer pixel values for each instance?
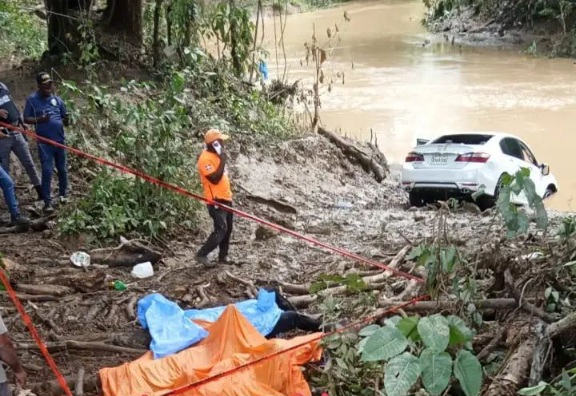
(128, 254)
(374, 162)
(432, 306)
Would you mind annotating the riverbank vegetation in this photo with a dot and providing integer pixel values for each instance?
(546, 27)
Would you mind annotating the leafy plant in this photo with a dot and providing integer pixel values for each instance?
(433, 349)
(353, 282)
(22, 33)
(516, 219)
(563, 385)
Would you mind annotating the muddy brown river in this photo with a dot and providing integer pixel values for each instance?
(404, 83)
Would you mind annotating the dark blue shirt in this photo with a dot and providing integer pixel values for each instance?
(38, 105)
(7, 104)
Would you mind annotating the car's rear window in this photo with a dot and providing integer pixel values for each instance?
(463, 139)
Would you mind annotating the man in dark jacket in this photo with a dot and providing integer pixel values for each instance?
(14, 141)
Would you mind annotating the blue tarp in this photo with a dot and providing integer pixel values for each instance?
(172, 329)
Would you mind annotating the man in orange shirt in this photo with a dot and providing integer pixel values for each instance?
(216, 185)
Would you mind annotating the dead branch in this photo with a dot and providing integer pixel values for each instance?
(81, 345)
(90, 383)
(112, 313)
(492, 345)
(302, 301)
(249, 284)
(530, 308)
(130, 308)
(423, 306)
(79, 389)
(127, 254)
(204, 299)
(515, 371)
(52, 290)
(28, 297)
(375, 162)
(562, 326)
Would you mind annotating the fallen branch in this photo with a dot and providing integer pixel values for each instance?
(515, 371)
(562, 326)
(492, 345)
(130, 308)
(28, 297)
(420, 306)
(252, 290)
(128, 254)
(53, 290)
(79, 389)
(370, 280)
(376, 162)
(204, 299)
(90, 383)
(530, 308)
(81, 345)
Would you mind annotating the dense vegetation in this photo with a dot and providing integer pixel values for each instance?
(553, 20)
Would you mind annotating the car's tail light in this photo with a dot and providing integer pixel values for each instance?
(473, 157)
(414, 157)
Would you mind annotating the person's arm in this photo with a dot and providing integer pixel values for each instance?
(30, 116)
(216, 176)
(64, 112)
(8, 355)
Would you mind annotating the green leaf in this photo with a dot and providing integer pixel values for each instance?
(400, 374)
(435, 332)
(384, 344)
(533, 390)
(368, 330)
(468, 370)
(409, 327)
(436, 370)
(459, 332)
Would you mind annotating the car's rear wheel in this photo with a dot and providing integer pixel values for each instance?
(416, 199)
(485, 201)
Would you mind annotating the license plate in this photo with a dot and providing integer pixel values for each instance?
(439, 159)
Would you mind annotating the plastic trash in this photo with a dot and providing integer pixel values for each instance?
(344, 205)
(118, 285)
(80, 259)
(143, 270)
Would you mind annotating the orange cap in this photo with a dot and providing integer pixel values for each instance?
(213, 134)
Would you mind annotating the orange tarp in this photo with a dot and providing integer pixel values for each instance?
(232, 341)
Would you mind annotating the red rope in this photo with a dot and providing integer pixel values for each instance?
(237, 212)
(28, 321)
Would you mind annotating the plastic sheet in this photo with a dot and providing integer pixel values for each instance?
(172, 329)
(232, 342)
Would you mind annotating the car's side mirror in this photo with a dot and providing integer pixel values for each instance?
(545, 168)
(421, 142)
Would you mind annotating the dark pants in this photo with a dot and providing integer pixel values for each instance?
(291, 320)
(220, 236)
(48, 155)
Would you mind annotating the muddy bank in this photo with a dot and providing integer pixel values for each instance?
(305, 184)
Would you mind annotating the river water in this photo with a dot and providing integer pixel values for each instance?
(401, 82)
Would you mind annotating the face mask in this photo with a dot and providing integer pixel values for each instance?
(217, 147)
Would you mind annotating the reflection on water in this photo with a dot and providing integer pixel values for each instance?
(402, 86)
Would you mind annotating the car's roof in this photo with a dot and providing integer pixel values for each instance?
(494, 133)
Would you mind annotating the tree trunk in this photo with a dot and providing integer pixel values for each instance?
(234, 40)
(126, 17)
(59, 27)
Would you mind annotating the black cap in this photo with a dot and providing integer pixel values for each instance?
(43, 78)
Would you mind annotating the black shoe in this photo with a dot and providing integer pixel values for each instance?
(224, 260)
(48, 209)
(205, 261)
(21, 222)
(39, 192)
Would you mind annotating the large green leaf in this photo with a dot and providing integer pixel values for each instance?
(436, 370)
(400, 374)
(468, 370)
(409, 327)
(460, 334)
(384, 344)
(435, 332)
(534, 390)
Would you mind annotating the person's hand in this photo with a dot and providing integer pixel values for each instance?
(43, 118)
(3, 113)
(20, 378)
(223, 156)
